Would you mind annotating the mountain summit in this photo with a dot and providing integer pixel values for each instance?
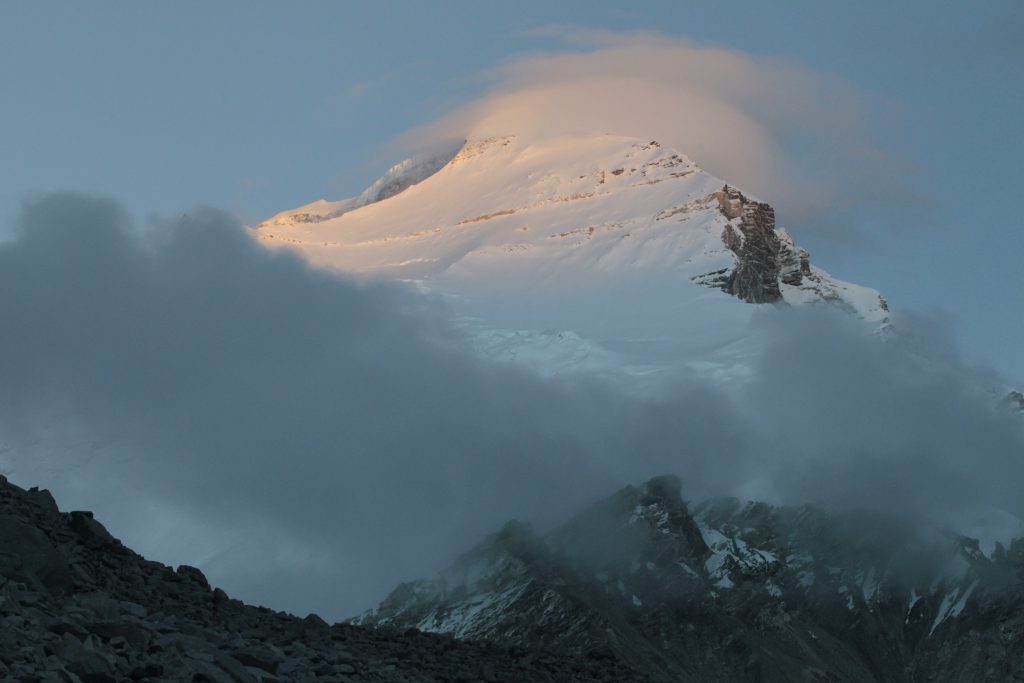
(573, 249)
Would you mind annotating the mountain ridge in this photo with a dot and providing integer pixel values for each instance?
(727, 591)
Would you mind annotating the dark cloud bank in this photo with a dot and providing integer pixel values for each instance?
(311, 441)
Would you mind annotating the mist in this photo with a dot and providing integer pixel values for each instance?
(310, 440)
(771, 126)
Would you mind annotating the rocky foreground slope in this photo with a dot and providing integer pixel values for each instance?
(76, 605)
(730, 591)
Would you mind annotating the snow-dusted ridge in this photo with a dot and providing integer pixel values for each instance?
(398, 178)
(680, 592)
(623, 251)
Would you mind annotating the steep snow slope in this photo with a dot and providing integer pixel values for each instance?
(585, 252)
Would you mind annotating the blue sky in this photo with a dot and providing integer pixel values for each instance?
(259, 107)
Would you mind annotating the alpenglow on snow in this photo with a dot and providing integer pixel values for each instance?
(589, 252)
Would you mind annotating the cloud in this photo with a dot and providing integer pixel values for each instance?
(310, 441)
(902, 425)
(801, 140)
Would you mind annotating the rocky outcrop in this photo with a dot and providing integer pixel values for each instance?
(751, 235)
(732, 591)
(794, 262)
(76, 606)
(769, 265)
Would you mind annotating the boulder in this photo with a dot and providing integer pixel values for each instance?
(28, 555)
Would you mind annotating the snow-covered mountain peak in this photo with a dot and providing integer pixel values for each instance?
(588, 251)
(567, 160)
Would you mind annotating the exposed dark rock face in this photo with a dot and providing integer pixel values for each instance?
(753, 239)
(767, 259)
(794, 262)
(77, 606)
(737, 592)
